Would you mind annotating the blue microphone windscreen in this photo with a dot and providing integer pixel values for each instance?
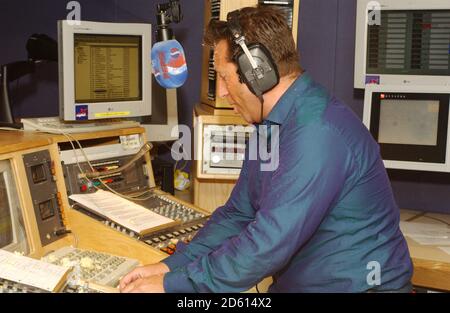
(169, 64)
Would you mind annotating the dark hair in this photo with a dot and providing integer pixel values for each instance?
(263, 24)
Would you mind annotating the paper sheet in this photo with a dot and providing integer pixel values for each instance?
(121, 211)
(445, 249)
(31, 272)
(427, 234)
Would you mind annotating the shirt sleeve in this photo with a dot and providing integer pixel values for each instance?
(226, 221)
(311, 173)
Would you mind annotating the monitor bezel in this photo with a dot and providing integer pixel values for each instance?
(101, 110)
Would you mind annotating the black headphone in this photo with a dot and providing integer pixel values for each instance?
(256, 67)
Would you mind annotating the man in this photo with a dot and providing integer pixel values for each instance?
(324, 220)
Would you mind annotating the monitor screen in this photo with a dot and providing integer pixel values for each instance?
(409, 122)
(12, 230)
(6, 229)
(107, 68)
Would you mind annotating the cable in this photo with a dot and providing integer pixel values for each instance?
(144, 149)
(131, 198)
(135, 197)
(63, 231)
(437, 219)
(424, 214)
(178, 155)
(261, 99)
(415, 217)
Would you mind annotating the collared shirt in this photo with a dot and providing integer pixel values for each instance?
(325, 220)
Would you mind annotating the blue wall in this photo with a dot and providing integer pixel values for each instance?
(326, 45)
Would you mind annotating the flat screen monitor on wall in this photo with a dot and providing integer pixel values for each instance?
(411, 125)
(402, 42)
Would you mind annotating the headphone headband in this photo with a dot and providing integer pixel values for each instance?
(233, 24)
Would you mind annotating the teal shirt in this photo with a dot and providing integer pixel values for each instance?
(317, 223)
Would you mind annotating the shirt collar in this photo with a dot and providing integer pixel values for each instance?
(284, 105)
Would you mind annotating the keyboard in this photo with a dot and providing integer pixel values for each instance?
(98, 267)
(55, 126)
(7, 286)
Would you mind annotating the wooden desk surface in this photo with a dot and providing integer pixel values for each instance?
(98, 134)
(13, 141)
(91, 234)
(431, 264)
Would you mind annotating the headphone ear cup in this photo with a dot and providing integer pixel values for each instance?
(266, 65)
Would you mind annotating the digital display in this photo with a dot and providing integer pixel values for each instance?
(46, 209)
(6, 229)
(409, 122)
(410, 42)
(38, 173)
(107, 68)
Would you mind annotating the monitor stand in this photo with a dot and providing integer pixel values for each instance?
(55, 126)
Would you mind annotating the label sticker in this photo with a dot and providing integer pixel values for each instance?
(81, 112)
(112, 114)
(131, 142)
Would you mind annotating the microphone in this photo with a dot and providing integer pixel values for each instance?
(168, 58)
(169, 64)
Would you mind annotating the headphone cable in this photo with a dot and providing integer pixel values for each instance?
(261, 99)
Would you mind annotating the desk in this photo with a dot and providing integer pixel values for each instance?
(88, 233)
(431, 264)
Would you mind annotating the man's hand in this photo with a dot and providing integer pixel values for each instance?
(153, 284)
(143, 272)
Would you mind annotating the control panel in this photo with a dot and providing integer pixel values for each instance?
(92, 266)
(166, 239)
(224, 148)
(103, 159)
(7, 286)
(40, 170)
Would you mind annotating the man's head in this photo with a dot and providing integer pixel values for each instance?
(265, 25)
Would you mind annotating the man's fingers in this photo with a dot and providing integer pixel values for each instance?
(131, 276)
(131, 286)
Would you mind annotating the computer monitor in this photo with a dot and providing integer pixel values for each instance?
(104, 70)
(411, 125)
(12, 230)
(402, 42)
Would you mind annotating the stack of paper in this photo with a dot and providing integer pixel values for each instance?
(121, 211)
(427, 234)
(31, 272)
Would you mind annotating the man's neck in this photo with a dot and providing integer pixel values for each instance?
(271, 98)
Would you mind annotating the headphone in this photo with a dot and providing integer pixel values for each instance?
(256, 67)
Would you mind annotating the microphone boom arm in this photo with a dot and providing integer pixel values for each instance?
(167, 13)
